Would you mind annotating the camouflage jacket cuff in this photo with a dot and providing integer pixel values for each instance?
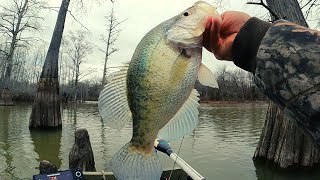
(288, 72)
(247, 42)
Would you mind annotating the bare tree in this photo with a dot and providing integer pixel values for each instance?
(46, 107)
(38, 60)
(112, 36)
(311, 9)
(241, 81)
(79, 47)
(221, 74)
(17, 17)
(252, 88)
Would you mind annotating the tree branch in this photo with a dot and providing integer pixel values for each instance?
(261, 3)
(313, 4)
(74, 18)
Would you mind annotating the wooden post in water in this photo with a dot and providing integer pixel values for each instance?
(81, 155)
(47, 167)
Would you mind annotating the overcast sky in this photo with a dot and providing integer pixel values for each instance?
(141, 15)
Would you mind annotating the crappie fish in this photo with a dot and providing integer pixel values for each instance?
(156, 91)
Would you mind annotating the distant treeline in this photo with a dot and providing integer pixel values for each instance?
(87, 91)
(237, 85)
(234, 85)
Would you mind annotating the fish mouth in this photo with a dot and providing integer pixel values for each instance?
(207, 10)
(186, 32)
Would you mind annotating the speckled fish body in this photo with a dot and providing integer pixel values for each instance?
(160, 79)
(156, 91)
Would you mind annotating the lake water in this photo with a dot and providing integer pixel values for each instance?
(221, 147)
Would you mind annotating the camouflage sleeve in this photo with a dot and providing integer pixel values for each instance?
(287, 69)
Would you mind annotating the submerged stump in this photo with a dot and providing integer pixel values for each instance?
(81, 155)
(5, 98)
(47, 167)
(283, 143)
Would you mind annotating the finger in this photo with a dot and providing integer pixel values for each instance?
(233, 21)
(225, 51)
(206, 34)
(215, 33)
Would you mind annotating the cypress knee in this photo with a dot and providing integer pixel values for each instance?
(81, 155)
(47, 167)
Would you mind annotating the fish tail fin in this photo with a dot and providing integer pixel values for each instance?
(129, 163)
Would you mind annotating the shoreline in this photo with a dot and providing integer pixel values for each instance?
(233, 102)
(201, 102)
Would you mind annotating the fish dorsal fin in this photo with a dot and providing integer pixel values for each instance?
(184, 121)
(113, 103)
(206, 77)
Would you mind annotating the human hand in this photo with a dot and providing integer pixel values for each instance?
(221, 31)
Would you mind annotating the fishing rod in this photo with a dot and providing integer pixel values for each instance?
(163, 146)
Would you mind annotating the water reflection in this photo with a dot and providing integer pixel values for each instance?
(104, 141)
(266, 171)
(47, 145)
(16, 150)
(5, 146)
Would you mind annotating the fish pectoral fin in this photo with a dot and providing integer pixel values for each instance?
(184, 121)
(113, 103)
(206, 77)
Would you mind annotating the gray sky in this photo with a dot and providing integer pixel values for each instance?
(141, 15)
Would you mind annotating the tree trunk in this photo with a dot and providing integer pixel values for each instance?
(105, 63)
(281, 141)
(288, 10)
(5, 98)
(76, 82)
(107, 50)
(113, 33)
(46, 107)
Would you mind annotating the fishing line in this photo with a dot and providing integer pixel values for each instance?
(176, 158)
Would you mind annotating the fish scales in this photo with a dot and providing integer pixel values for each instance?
(156, 91)
(160, 79)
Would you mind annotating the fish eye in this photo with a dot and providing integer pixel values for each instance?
(186, 14)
